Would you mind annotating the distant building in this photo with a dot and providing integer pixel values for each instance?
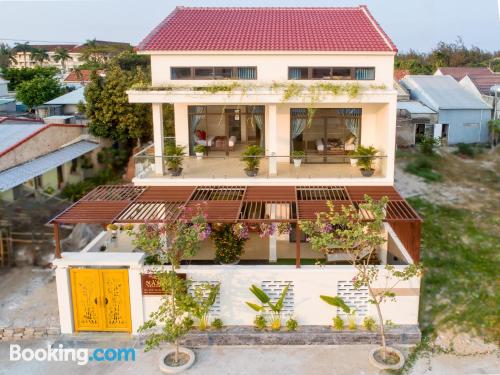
(42, 157)
(64, 106)
(79, 78)
(462, 116)
(4, 84)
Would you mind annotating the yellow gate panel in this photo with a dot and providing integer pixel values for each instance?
(86, 294)
(101, 300)
(116, 299)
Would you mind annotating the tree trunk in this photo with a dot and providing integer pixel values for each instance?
(381, 320)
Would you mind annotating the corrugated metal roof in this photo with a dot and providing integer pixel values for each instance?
(17, 175)
(442, 92)
(73, 97)
(415, 107)
(7, 100)
(15, 131)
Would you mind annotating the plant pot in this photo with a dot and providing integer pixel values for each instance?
(184, 365)
(230, 264)
(374, 359)
(367, 172)
(175, 171)
(199, 155)
(252, 172)
(353, 161)
(297, 162)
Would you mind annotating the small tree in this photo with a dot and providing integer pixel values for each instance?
(171, 242)
(428, 143)
(62, 55)
(494, 126)
(38, 91)
(349, 230)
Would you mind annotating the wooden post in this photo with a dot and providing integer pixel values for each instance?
(297, 246)
(57, 240)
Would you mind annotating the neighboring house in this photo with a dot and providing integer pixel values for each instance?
(458, 73)
(240, 77)
(462, 116)
(4, 87)
(7, 105)
(74, 50)
(78, 78)
(414, 120)
(486, 87)
(40, 157)
(65, 105)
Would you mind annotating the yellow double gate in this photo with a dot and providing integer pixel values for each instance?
(101, 300)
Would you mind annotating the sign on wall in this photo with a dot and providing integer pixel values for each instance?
(151, 285)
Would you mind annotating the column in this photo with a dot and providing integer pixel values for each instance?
(63, 286)
(136, 305)
(273, 256)
(297, 245)
(158, 138)
(273, 138)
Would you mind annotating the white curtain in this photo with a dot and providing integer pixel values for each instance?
(195, 119)
(258, 117)
(299, 121)
(353, 124)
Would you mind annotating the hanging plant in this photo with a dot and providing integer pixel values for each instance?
(240, 230)
(267, 229)
(283, 228)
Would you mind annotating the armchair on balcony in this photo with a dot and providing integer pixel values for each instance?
(200, 138)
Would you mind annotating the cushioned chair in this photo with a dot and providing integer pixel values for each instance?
(204, 142)
(232, 142)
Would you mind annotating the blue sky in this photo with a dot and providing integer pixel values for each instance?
(417, 24)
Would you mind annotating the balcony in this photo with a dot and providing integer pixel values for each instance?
(218, 166)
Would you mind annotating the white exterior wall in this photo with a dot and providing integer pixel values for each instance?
(271, 66)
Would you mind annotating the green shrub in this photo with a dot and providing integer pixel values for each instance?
(74, 192)
(338, 323)
(217, 323)
(369, 323)
(251, 157)
(427, 145)
(467, 150)
(260, 322)
(291, 324)
(422, 167)
(228, 247)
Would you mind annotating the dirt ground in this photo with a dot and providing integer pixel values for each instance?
(28, 298)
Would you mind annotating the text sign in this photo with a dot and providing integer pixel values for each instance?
(151, 285)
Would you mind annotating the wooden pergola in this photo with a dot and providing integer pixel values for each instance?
(230, 204)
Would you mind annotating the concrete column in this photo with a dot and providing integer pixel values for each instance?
(181, 121)
(391, 139)
(136, 305)
(273, 256)
(63, 286)
(158, 138)
(273, 138)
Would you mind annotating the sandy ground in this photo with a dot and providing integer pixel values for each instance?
(28, 298)
(237, 360)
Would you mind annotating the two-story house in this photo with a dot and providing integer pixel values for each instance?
(283, 81)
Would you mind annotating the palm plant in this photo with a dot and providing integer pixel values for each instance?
(251, 157)
(174, 158)
(274, 308)
(204, 296)
(39, 55)
(24, 48)
(61, 55)
(7, 55)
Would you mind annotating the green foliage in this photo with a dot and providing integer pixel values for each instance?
(251, 157)
(228, 247)
(203, 298)
(298, 154)
(130, 60)
(351, 321)
(466, 149)
(174, 156)
(365, 156)
(460, 256)
(76, 191)
(423, 167)
(369, 323)
(427, 145)
(292, 90)
(39, 55)
(38, 91)
(16, 76)
(260, 322)
(7, 56)
(292, 324)
(107, 107)
(217, 323)
(338, 323)
(337, 302)
(61, 55)
(99, 54)
(114, 159)
(274, 308)
(199, 149)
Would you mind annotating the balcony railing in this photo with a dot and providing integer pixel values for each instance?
(270, 167)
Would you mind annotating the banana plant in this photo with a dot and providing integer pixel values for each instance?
(339, 302)
(274, 308)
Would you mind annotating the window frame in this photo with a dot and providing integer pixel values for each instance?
(192, 77)
(352, 76)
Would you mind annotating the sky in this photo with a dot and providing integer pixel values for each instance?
(412, 24)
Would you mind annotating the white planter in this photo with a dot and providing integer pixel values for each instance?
(177, 369)
(382, 366)
(353, 161)
(199, 155)
(297, 162)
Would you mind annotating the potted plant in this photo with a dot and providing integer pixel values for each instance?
(361, 239)
(352, 158)
(113, 228)
(251, 157)
(266, 304)
(174, 159)
(297, 157)
(86, 165)
(171, 242)
(199, 150)
(228, 246)
(364, 159)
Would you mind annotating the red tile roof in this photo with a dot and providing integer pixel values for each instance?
(460, 72)
(399, 74)
(268, 29)
(84, 77)
(485, 82)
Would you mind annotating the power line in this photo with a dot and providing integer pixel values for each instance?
(38, 41)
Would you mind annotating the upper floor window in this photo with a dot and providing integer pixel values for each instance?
(214, 72)
(334, 73)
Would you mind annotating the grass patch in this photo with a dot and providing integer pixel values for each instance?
(423, 167)
(460, 254)
(291, 262)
